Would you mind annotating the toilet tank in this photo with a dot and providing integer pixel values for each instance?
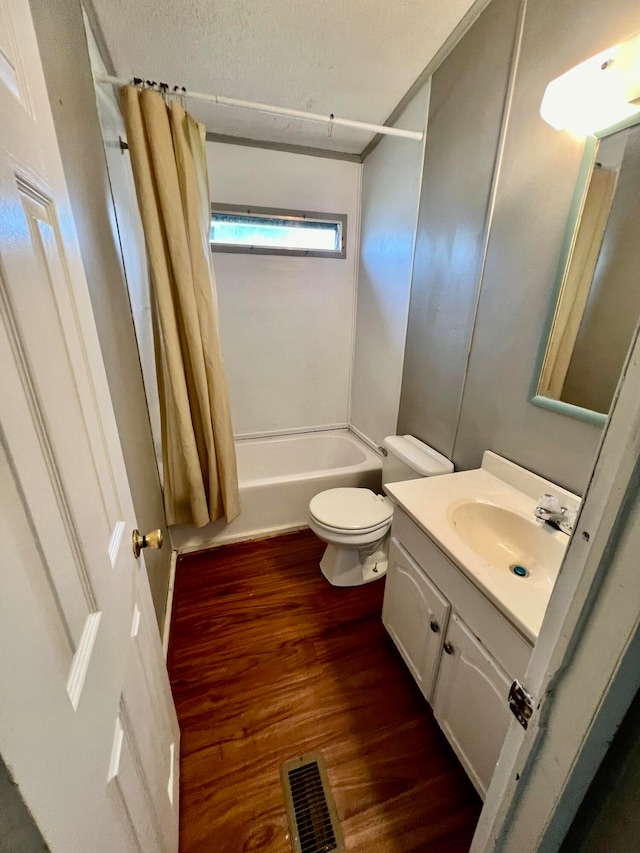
(408, 458)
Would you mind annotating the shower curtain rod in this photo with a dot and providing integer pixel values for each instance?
(271, 110)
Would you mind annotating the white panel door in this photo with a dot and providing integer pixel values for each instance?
(415, 614)
(471, 703)
(87, 724)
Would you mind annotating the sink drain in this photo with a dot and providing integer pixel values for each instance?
(519, 571)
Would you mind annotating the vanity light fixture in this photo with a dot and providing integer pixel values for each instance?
(599, 93)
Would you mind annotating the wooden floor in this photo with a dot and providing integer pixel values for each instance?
(268, 661)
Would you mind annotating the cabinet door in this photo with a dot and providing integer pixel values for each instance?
(471, 703)
(415, 614)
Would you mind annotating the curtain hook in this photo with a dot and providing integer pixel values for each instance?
(330, 125)
(178, 94)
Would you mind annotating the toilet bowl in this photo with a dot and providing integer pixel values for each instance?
(355, 523)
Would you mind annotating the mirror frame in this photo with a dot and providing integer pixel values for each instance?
(566, 251)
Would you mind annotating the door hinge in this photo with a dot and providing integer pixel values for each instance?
(521, 704)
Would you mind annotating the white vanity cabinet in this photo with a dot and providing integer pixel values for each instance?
(466, 661)
(470, 703)
(416, 615)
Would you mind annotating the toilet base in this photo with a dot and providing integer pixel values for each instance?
(355, 566)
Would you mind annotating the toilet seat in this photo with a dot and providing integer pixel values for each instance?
(362, 531)
(353, 511)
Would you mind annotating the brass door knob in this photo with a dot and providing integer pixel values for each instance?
(151, 540)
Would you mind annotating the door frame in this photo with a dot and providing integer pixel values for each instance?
(585, 667)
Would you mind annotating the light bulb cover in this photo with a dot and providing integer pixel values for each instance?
(596, 94)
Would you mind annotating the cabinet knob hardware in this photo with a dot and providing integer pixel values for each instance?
(151, 540)
(448, 648)
(434, 626)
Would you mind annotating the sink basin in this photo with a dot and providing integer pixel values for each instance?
(483, 521)
(526, 548)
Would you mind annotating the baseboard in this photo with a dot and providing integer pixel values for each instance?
(169, 606)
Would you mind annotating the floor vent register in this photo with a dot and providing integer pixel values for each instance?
(313, 820)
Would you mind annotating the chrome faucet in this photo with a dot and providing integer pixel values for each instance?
(550, 511)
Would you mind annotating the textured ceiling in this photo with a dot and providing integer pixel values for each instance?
(353, 58)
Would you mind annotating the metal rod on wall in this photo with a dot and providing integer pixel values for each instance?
(331, 120)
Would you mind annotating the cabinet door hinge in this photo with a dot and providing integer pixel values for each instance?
(521, 704)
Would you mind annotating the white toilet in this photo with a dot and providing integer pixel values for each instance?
(356, 522)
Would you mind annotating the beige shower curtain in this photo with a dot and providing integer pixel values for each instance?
(167, 148)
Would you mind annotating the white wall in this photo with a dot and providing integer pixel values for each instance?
(128, 233)
(286, 323)
(134, 256)
(390, 195)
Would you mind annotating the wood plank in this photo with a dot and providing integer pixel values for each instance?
(268, 661)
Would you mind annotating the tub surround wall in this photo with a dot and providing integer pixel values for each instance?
(286, 322)
(537, 174)
(390, 192)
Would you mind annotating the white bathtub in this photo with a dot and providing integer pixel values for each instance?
(278, 477)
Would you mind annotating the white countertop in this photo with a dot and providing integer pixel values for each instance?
(428, 501)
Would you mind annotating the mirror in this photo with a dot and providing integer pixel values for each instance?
(597, 305)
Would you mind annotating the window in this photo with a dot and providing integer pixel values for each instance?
(262, 231)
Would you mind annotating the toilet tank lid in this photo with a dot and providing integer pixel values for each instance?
(417, 455)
